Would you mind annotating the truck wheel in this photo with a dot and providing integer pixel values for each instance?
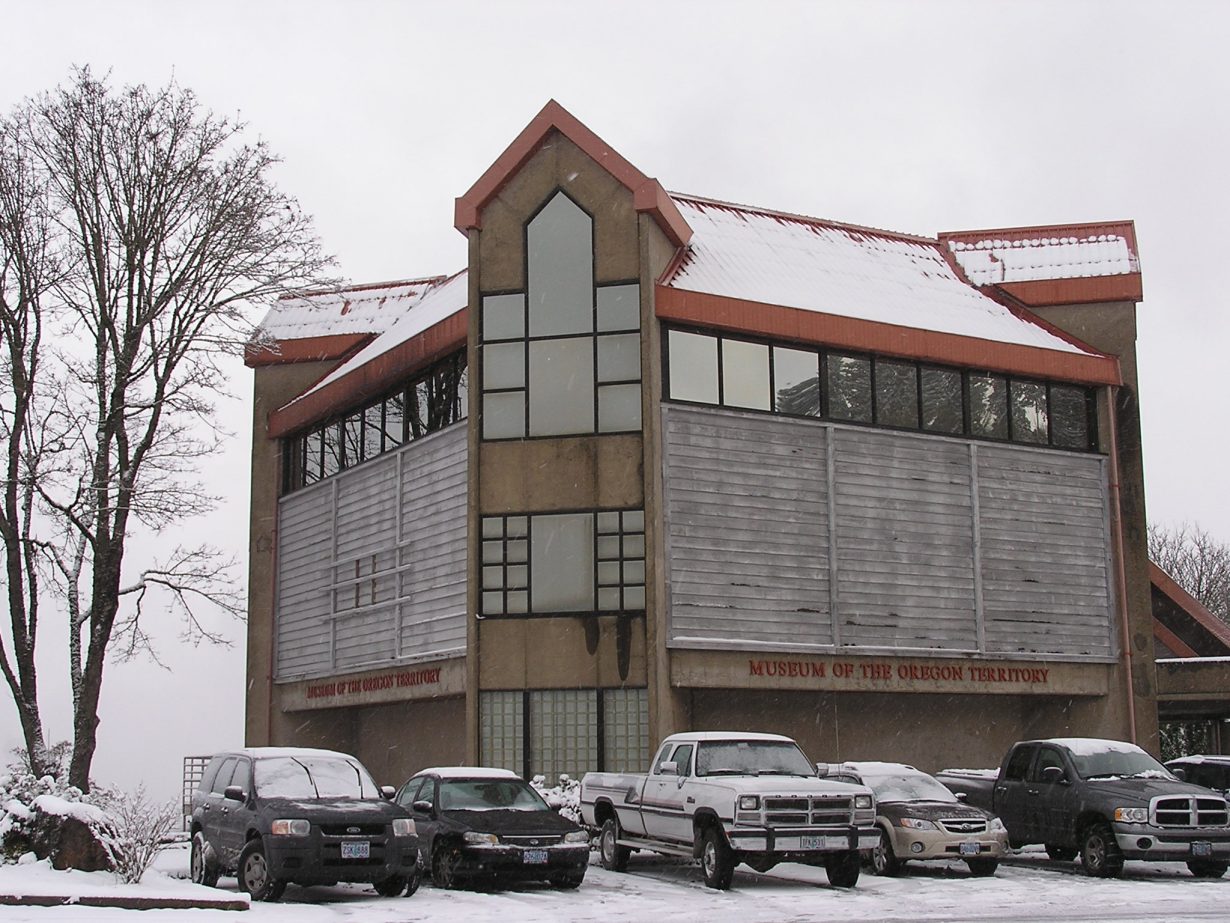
(883, 860)
(717, 860)
(254, 875)
(843, 868)
(1207, 868)
(202, 872)
(1060, 853)
(1100, 853)
(614, 858)
(982, 868)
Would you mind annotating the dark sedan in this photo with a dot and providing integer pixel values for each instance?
(921, 819)
(489, 826)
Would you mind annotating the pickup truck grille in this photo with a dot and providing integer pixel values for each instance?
(807, 812)
(964, 825)
(1190, 811)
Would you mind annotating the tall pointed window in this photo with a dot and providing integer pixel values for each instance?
(564, 356)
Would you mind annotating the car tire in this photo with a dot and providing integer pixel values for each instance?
(255, 875)
(1061, 853)
(843, 868)
(717, 860)
(883, 860)
(1207, 868)
(1100, 853)
(444, 863)
(391, 886)
(982, 868)
(203, 873)
(612, 856)
(568, 881)
(415, 878)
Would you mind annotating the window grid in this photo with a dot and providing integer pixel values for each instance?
(905, 394)
(501, 720)
(563, 732)
(625, 730)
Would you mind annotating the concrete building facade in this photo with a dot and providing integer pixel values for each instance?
(653, 463)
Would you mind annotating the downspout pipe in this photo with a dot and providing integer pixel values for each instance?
(1120, 567)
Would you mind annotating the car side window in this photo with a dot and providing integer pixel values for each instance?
(243, 775)
(1018, 764)
(660, 759)
(410, 794)
(225, 771)
(1047, 758)
(683, 758)
(211, 773)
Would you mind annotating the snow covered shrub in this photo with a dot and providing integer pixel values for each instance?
(134, 831)
(564, 797)
(24, 800)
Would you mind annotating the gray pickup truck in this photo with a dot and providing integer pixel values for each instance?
(1102, 799)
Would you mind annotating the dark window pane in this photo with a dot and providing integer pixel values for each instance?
(352, 431)
(312, 457)
(373, 431)
(461, 373)
(1070, 417)
(796, 377)
(745, 375)
(848, 383)
(693, 367)
(988, 406)
(941, 401)
(331, 453)
(1028, 411)
(896, 393)
(394, 419)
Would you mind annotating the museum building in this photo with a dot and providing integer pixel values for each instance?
(653, 462)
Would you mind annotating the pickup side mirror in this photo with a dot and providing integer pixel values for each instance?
(235, 793)
(822, 769)
(1179, 773)
(1053, 775)
(668, 768)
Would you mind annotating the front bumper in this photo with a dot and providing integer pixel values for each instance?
(1166, 844)
(314, 859)
(800, 842)
(940, 844)
(521, 862)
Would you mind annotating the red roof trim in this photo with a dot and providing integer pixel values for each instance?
(1172, 641)
(648, 195)
(371, 378)
(737, 315)
(1189, 604)
(1038, 293)
(308, 349)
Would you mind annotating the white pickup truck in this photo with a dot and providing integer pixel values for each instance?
(731, 797)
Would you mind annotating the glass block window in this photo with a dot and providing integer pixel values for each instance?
(563, 357)
(563, 732)
(625, 730)
(563, 563)
(501, 719)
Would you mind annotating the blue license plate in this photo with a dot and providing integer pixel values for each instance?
(1202, 848)
(534, 857)
(356, 850)
(970, 849)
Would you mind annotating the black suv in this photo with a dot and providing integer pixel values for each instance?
(276, 815)
(1210, 771)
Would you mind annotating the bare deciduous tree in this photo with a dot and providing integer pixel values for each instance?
(136, 230)
(1197, 561)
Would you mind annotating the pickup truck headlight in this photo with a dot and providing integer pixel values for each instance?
(287, 827)
(995, 825)
(915, 823)
(403, 826)
(1132, 815)
(749, 802)
(577, 836)
(864, 801)
(480, 839)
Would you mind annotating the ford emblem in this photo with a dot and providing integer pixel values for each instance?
(533, 842)
(353, 830)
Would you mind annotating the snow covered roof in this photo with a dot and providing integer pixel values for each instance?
(371, 309)
(1089, 746)
(725, 735)
(775, 258)
(1032, 254)
(467, 772)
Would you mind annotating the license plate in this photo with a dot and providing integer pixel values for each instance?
(534, 857)
(355, 850)
(1201, 848)
(811, 842)
(970, 849)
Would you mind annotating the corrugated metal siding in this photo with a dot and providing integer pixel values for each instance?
(371, 563)
(939, 544)
(746, 501)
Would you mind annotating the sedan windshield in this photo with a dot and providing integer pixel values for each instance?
(751, 758)
(489, 795)
(908, 787)
(1118, 763)
(313, 777)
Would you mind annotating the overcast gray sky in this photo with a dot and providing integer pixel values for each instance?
(918, 117)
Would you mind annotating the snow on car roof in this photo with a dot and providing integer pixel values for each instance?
(726, 735)
(1200, 758)
(468, 772)
(265, 752)
(1086, 746)
(876, 768)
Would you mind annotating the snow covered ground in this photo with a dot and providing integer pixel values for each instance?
(1030, 889)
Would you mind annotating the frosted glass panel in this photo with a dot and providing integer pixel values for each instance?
(619, 408)
(561, 269)
(504, 415)
(693, 367)
(504, 366)
(503, 317)
(562, 563)
(745, 374)
(619, 357)
(619, 307)
(561, 387)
